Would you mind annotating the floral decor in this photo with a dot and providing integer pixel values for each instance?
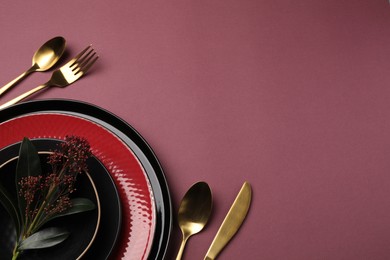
(42, 197)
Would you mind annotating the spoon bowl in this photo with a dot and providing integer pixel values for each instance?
(44, 58)
(48, 54)
(194, 212)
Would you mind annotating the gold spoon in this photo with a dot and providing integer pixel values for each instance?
(44, 58)
(194, 212)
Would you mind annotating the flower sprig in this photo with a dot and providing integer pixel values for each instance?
(45, 196)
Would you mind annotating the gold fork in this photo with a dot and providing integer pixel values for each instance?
(66, 75)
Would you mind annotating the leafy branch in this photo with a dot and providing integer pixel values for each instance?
(43, 197)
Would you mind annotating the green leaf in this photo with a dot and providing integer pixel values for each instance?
(45, 238)
(78, 205)
(28, 164)
(10, 206)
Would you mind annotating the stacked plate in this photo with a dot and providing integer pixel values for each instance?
(133, 217)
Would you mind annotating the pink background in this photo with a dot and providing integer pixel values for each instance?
(293, 96)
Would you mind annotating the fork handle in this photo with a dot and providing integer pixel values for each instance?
(24, 95)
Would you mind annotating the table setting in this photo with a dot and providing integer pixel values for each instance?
(135, 130)
(126, 187)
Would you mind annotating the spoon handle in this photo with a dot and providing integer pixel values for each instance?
(16, 80)
(181, 249)
(24, 95)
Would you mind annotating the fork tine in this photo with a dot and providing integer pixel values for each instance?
(85, 65)
(78, 56)
(87, 59)
(83, 60)
(89, 65)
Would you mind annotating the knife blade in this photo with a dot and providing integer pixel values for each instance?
(232, 222)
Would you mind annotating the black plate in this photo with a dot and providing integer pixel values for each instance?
(81, 226)
(133, 140)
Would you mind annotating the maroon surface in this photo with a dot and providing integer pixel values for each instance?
(292, 96)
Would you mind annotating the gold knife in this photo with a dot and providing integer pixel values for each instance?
(232, 221)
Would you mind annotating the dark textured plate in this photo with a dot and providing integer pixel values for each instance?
(92, 233)
(143, 191)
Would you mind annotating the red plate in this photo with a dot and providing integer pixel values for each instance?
(140, 182)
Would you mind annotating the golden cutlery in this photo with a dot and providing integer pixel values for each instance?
(232, 222)
(44, 58)
(64, 76)
(194, 212)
